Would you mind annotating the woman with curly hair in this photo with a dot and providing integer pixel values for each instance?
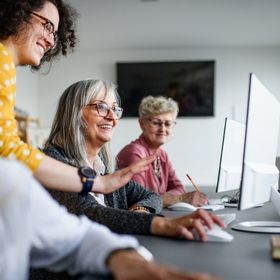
(33, 32)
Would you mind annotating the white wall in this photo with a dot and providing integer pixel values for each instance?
(195, 147)
(27, 91)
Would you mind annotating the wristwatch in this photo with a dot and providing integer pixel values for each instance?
(87, 175)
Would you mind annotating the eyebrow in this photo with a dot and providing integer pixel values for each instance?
(162, 120)
(103, 101)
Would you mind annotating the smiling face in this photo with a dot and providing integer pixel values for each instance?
(157, 129)
(99, 130)
(31, 46)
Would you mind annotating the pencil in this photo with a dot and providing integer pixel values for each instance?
(193, 183)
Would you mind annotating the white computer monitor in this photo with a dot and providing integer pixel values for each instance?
(230, 165)
(259, 172)
(259, 177)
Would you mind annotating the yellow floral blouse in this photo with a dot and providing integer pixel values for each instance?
(10, 144)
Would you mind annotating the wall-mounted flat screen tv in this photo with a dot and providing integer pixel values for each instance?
(190, 83)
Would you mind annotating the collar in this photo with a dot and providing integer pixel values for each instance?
(159, 151)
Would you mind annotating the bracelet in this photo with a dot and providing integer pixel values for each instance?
(138, 207)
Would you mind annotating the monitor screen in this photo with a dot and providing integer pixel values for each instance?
(230, 167)
(190, 83)
(259, 172)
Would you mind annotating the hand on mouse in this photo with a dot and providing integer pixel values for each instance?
(199, 220)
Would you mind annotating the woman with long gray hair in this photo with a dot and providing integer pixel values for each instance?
(87, 114)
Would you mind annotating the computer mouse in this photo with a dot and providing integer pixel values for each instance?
(182, 206)
(217, 234)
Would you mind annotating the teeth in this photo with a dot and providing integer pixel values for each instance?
(106, 126)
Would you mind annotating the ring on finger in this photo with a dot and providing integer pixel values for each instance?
(190, 222)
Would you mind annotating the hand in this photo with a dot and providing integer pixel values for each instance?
(109, 183)
(195, 198)
(183, 226)
(128, 264)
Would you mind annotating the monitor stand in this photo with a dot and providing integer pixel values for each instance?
(263, 226)
(258, 226)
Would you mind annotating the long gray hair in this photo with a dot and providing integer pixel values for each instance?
(68, 128)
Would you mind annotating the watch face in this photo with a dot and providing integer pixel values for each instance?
(88, 172)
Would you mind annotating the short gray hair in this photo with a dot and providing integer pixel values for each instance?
(156, 105)
(68, 128)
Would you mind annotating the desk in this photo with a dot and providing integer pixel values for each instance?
(246, 257)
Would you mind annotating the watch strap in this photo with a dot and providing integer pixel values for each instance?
(87, 185)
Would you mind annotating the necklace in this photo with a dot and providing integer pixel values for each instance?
(157, 167)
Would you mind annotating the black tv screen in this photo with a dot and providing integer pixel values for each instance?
(190, 83)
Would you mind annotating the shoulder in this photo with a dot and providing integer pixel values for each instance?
(133, 148)
(8, 69)
(6, 57)
(50, 151)
(57, 153)
(163, 155)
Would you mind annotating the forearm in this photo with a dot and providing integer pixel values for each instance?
(59, 176)
(120, 262)
(169, 199)
(56, 175)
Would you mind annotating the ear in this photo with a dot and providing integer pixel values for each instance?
(141, 123)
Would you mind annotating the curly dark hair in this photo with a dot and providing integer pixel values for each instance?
(14, 13)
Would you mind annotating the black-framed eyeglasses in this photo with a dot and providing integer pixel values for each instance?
(158, 124)
(48, 28)
(103, 109)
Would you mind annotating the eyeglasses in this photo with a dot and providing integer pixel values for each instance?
(158, 124)
(48, 28)
(103, 109)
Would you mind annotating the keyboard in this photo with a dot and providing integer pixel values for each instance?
(212, 207)
(215, 201)
(227, 218)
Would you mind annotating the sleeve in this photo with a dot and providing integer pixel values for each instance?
(137, 194)
(56, 239)
(11, 145)
(120, 221)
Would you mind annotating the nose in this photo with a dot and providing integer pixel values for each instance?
(161, 126)
(112, 114)
(49, 39)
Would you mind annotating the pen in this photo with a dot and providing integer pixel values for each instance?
(193, 183)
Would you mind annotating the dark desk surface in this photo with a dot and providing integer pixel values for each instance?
(246, 257)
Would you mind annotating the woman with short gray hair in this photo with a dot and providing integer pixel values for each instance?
(157, 118)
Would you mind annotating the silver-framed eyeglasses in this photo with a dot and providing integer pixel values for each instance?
(158, 124)
(48, 28)
(103, 109)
